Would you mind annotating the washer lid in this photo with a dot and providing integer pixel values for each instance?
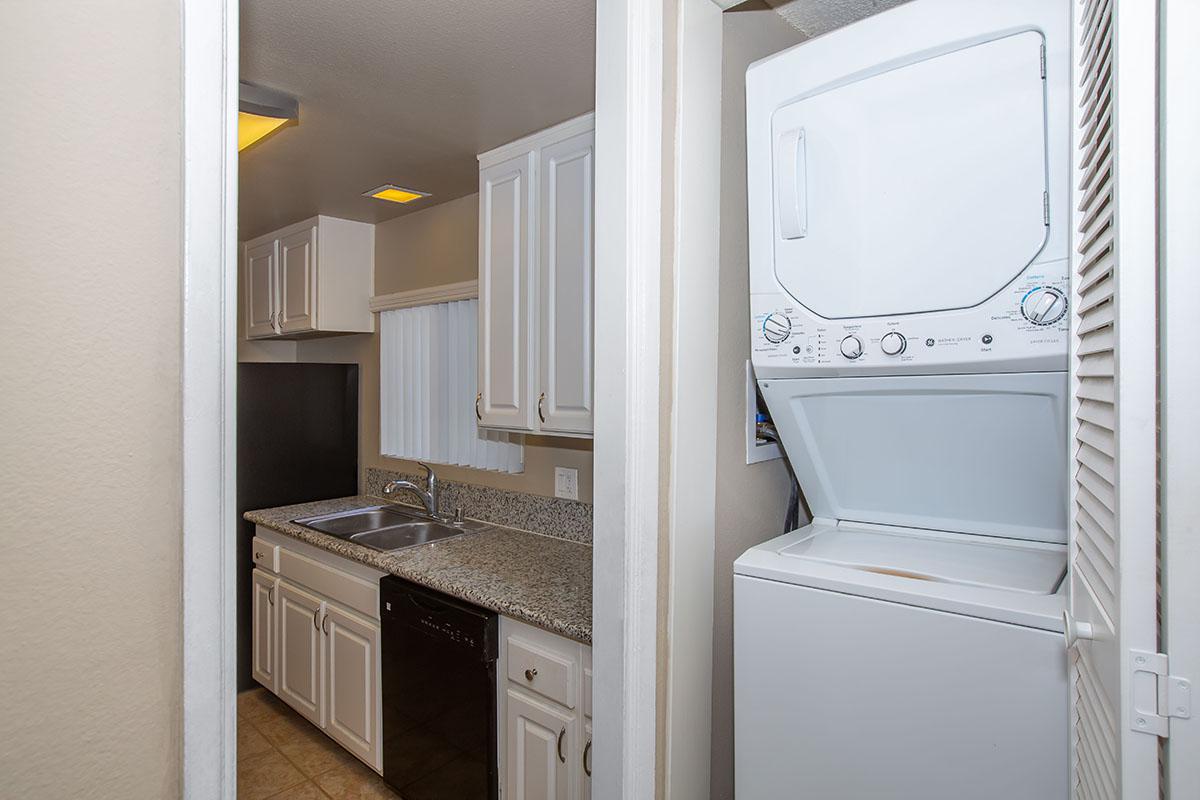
(913, 188)
(982, 454)
(944, 558)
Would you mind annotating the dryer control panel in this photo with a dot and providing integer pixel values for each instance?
(1022, 327)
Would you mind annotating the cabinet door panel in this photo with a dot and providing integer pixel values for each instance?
(352, 705)
(298, 281)
(263, 629)
(301, 651)
(537, 733)
(565, 279)
(261, 301)
(505, 294)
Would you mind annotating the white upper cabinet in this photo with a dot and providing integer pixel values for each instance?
(506, 280)
(536, 247)
(259, 269)
(314, 277)
(565, 283)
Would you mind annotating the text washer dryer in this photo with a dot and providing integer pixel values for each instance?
(908, 210)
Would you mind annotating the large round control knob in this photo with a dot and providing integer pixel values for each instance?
(852, 347)
(893, 343)
(777, 328)
(1045, 305)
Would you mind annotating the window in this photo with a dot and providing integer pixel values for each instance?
(427, 388)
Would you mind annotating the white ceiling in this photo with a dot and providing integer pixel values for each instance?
(814, 17)
(405, 92)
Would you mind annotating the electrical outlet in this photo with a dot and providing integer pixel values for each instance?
(566, 483)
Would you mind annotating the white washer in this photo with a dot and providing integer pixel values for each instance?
(908, 212)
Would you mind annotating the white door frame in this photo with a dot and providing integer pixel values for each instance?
(629, 93)
(1179, 375)
(210, 96)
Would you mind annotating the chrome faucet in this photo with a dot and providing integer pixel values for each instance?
(429, 495)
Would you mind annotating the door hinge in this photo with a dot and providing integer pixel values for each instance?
(1046, 209)
(1156, 701)
(1043, 61)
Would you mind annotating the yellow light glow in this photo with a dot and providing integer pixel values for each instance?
(252, 127)
(397, 195)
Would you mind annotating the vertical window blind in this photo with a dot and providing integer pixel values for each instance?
(427, 387)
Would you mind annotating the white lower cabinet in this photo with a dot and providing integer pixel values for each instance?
(540, 739)
(544, 692)
(301, 648)
(316, 646)
(352, 682)
(262, 613)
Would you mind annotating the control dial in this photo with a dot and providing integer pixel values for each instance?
(852, 347)
(893, 343)
(1045, 305)
(777, 328)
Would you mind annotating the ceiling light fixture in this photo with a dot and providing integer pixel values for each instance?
(263, 111)
(395, 194)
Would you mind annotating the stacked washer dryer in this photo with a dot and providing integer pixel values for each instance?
(909, 218)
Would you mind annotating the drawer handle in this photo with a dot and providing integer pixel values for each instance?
(531, 673)
(561, 734)
(587, 761)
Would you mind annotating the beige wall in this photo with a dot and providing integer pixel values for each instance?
(751, 499)
(429, 248)
(90, 287)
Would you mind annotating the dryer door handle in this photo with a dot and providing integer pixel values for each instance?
(791, 184)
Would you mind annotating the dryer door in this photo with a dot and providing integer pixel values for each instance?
(979, 454)
(914, 188)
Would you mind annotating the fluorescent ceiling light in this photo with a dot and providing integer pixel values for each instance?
(396, 194)
(261, 112)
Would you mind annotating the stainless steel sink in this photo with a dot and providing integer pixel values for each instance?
(387, 528)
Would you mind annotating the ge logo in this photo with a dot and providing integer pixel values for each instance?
(929, 342)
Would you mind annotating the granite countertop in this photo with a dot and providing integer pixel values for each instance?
(533, 578)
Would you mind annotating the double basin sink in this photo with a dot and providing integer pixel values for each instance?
(387, 528)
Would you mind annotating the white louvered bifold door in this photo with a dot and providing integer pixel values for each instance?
(1112, 583)
(427, 387)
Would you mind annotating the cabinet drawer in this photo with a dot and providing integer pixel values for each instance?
(540, 670)
(349, 590)
(265, 554)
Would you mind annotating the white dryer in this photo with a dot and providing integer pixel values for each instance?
(908, 211)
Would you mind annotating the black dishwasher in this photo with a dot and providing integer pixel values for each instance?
(439, 694)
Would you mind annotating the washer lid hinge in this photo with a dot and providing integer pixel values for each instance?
(1157, 695)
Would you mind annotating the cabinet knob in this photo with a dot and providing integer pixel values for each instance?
(531, 673)
(257, 556)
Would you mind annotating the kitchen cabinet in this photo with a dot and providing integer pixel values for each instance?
(352, 682)
(316, 639)
(536, 305)
(546, 707)
(505, 294)
(540, 738)
(301, 652)
(262, 602)
(311, 278)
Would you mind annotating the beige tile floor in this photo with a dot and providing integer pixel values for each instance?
(281, 756)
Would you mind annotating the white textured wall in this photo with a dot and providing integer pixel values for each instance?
(751, 499)
(89, 399)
